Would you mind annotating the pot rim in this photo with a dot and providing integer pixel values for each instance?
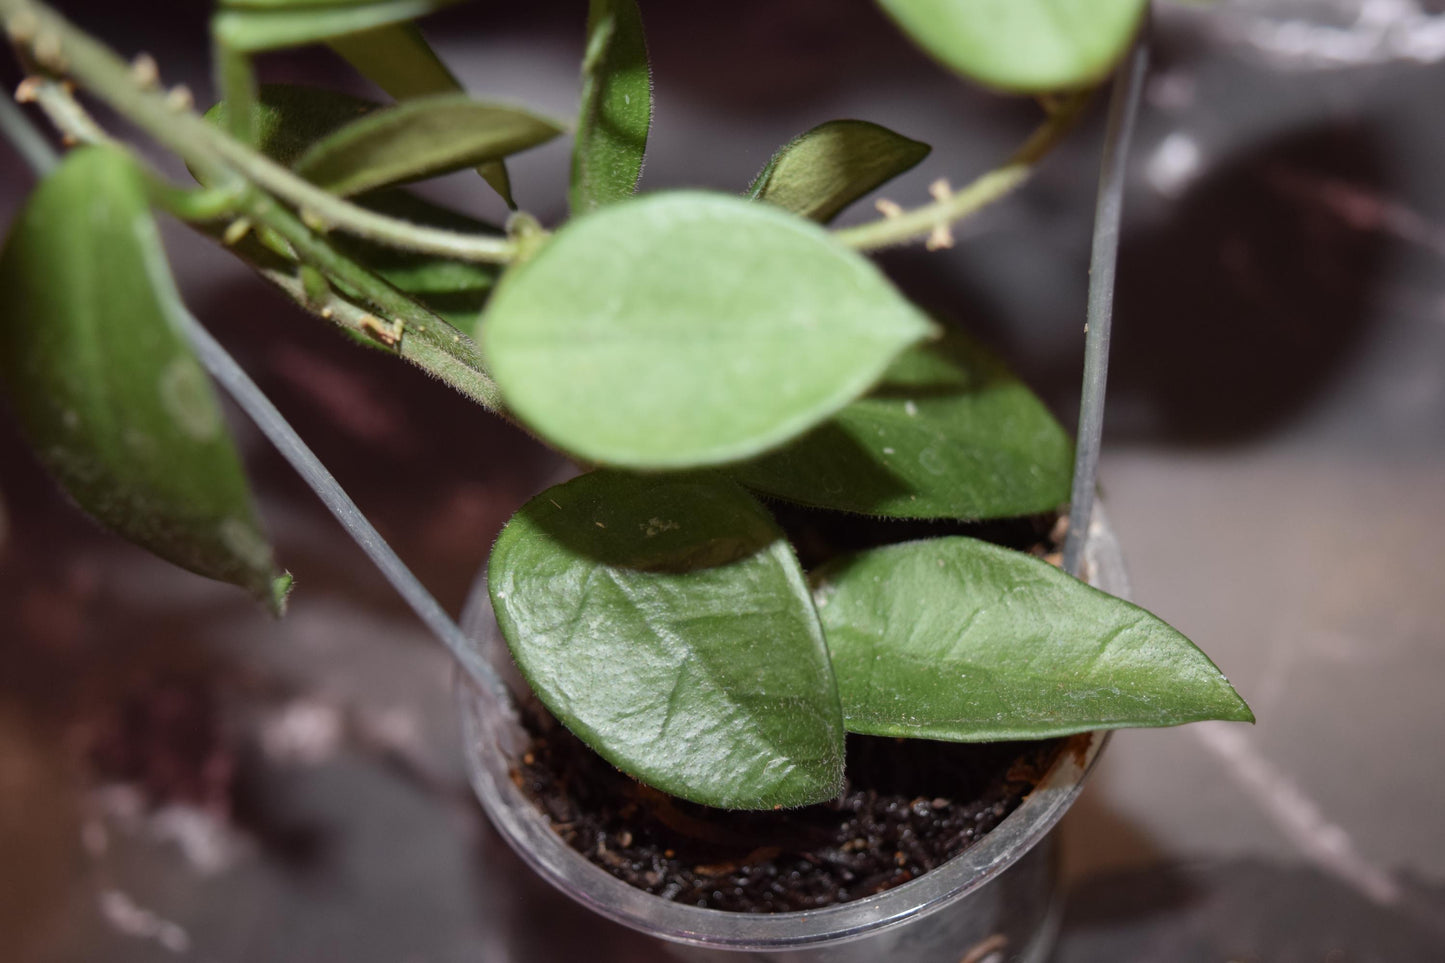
(528, 832)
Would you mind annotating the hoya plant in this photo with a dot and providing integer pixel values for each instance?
(700, 354)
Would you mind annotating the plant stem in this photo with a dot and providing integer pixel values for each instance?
(921, 221)
(417, 334)
(60, 46)
(1123, 107)
(31, 144)
(237, 83)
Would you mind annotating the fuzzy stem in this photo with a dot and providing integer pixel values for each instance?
(430, 342)
(921, 221)
(1123, 107)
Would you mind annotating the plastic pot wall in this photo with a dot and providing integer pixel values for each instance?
(1000, 893)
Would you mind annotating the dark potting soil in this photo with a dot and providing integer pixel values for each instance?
(908, 805)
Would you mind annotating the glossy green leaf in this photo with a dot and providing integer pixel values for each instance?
(252, 27)
(686, 328)
(419, 138)
(616, 107)
(958, 639)
(665, 621)
(1027, 46)
(105, 387)
(948, 433)
(822, 171)
(398, 59)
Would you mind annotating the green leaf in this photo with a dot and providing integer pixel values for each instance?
(105, 387)
(616, 107)
(948, 433)
(953, 638)
(287, 119)
(398, 59)
(665, 621)
(419, 138)
(822, 171)
(1026, 46)
(251, 26)
(686, 328)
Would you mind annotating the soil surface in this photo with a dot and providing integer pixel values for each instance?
(909, 806)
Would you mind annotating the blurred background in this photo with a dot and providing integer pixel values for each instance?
(182, 777)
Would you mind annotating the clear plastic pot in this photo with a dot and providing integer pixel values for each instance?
(994, 902)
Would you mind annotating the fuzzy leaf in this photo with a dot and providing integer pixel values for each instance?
(105, 387)
(288, 119)
(251, 26)
(948, 433)
(417, 139)
(686, 328)
(1026, 46)
(616, 107)
(665, 621)
(398, 59)
(822, 171)
(958, 639)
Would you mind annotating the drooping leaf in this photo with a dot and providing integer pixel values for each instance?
(251, 26)
(822, 171)
(398, 59)
(948, 433)
(958, 639)
(686, 328)
(616, 107)
(665, 621)
(105, 387)
(419, 138)
(1027, 46)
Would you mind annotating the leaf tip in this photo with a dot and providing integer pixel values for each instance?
(279, 593)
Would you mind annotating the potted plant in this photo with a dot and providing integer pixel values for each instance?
(705, 355)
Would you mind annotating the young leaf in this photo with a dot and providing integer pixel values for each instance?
(953, 638)
(948, 433)
(419, 138)
(685, 328)
(106, 389)
(822, 171)
(665, 621)
(1025, 46)
(398, 59)
(616, 107)
(251, 26)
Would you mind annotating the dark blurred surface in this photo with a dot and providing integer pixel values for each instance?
(182, 777)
